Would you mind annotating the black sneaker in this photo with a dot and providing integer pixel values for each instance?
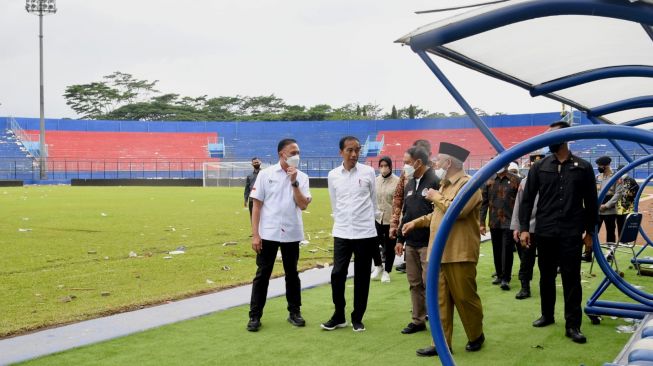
(296, 319)
(333, 324)
(401, 267)
(358, 326)
(254, 324)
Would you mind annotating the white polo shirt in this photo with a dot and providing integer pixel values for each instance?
(353, 201)
(281, 218)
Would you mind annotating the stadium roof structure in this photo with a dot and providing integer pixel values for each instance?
(594, 55)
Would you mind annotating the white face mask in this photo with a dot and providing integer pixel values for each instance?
(384, 171)
(440, 173)
(293, 161)
(410, 170)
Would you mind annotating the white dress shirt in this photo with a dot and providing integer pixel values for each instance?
(353, 201)
(281, 218)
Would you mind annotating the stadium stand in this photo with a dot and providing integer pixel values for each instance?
(135, 149)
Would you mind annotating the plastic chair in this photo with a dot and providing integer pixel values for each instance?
(626, 240)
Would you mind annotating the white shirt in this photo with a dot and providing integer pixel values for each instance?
(353, 201)
(281, 218)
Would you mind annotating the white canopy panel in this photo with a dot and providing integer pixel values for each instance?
(536, 51)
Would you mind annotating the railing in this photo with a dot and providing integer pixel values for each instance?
(30, 144)
(315, 167)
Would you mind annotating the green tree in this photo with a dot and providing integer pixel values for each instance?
(394, 114)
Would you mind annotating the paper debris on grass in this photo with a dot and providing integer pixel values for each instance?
(21, 230)
(226, 268)
(209, 282)
(626, 328)
(167, 257)
(176, 252)
(25, 218)
(103, 214)
(228, 243)
(307, 211)
(91, 252)
(133, 254)
(304, 242)
(312, 250)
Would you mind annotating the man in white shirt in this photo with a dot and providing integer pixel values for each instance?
(352, 190)
(280, 194)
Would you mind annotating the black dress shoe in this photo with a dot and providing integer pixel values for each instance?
(427, 352)
(413, 328)
(505, 286)
(523, 293)
(575, 335)
(254, 324)
(496, 281)
(401, 267)
(543, 322)
(296, 319)
(587, 257)
(475, 345)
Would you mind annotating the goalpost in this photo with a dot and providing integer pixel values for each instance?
(226, 174)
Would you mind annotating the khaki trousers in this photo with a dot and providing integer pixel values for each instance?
(457, 287)
(416, 265)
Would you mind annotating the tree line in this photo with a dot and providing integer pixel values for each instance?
(121, 96)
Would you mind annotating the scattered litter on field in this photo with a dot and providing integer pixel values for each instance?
(37, 295)
(304, 242)
(638, 287)
(537, 346)
(317, 237)
(65, 299)
(481, 255)
(176, 252)
(105, 293)
(228, 243)
(312, 250)
(167, 257)
(186, 228)
(584, 281)
(191, 201)
(237, 212)
(170, 228)
(133, 254)
(106, 258)
(81, 289)
(59, 286)
(629, 320)
(226, 268)
(309, 237)
(613, 317)
(321, 232)
(626, 328)
(307, 212)
(279, 256)
(24, 230)
(184, 236)
(91, 252)
(103, 214)
(25, 218)
(209, 282)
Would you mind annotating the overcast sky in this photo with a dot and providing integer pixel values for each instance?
(304, 51)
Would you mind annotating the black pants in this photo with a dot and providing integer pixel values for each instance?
(388, 244)
(342, 252)
(265, 263)
(503, 246)
(610, 227)
(621, 219)
(527, 260)
(251, 205)
(563, 251)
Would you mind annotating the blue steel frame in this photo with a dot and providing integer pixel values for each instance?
(622, 105)
(433, 42)
(638, 122)
(521, 149)
(613, 142)
(591, 75)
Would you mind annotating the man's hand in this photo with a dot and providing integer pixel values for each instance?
(407, 228)
(515, 235)
(393, 233)
(432, 194)
(257, 244)
(292, 173)
(525, 239)
(483, 230)
(603, 208)
(587, 241)
(399, 249)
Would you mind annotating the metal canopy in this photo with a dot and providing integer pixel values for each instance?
(595, 55)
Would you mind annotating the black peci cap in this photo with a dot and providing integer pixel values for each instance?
(454, 151)
(603, 160)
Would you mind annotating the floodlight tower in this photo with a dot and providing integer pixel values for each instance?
(41, 8)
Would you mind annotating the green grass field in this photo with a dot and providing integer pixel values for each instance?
(78, 248)
(81, 237)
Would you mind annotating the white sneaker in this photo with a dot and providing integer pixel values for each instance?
(385, 277)
(376, 273)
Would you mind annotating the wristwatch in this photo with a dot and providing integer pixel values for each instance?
(295, 184)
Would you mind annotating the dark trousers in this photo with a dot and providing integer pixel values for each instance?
(342, 252)
(265, 263)
(527, 261)
(503, 246)
(388, 244)
(610, 227)
(621, 219)
(563, 251)
(251, 205)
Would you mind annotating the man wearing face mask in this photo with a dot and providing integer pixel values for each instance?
(608, 209)
(566, 210)
(249, 183)
(499, 194)
(457, 281)
(280, 194)
(421, 179)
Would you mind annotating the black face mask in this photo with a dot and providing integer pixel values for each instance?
(256, 166)
(601, 169)
(555, 147)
